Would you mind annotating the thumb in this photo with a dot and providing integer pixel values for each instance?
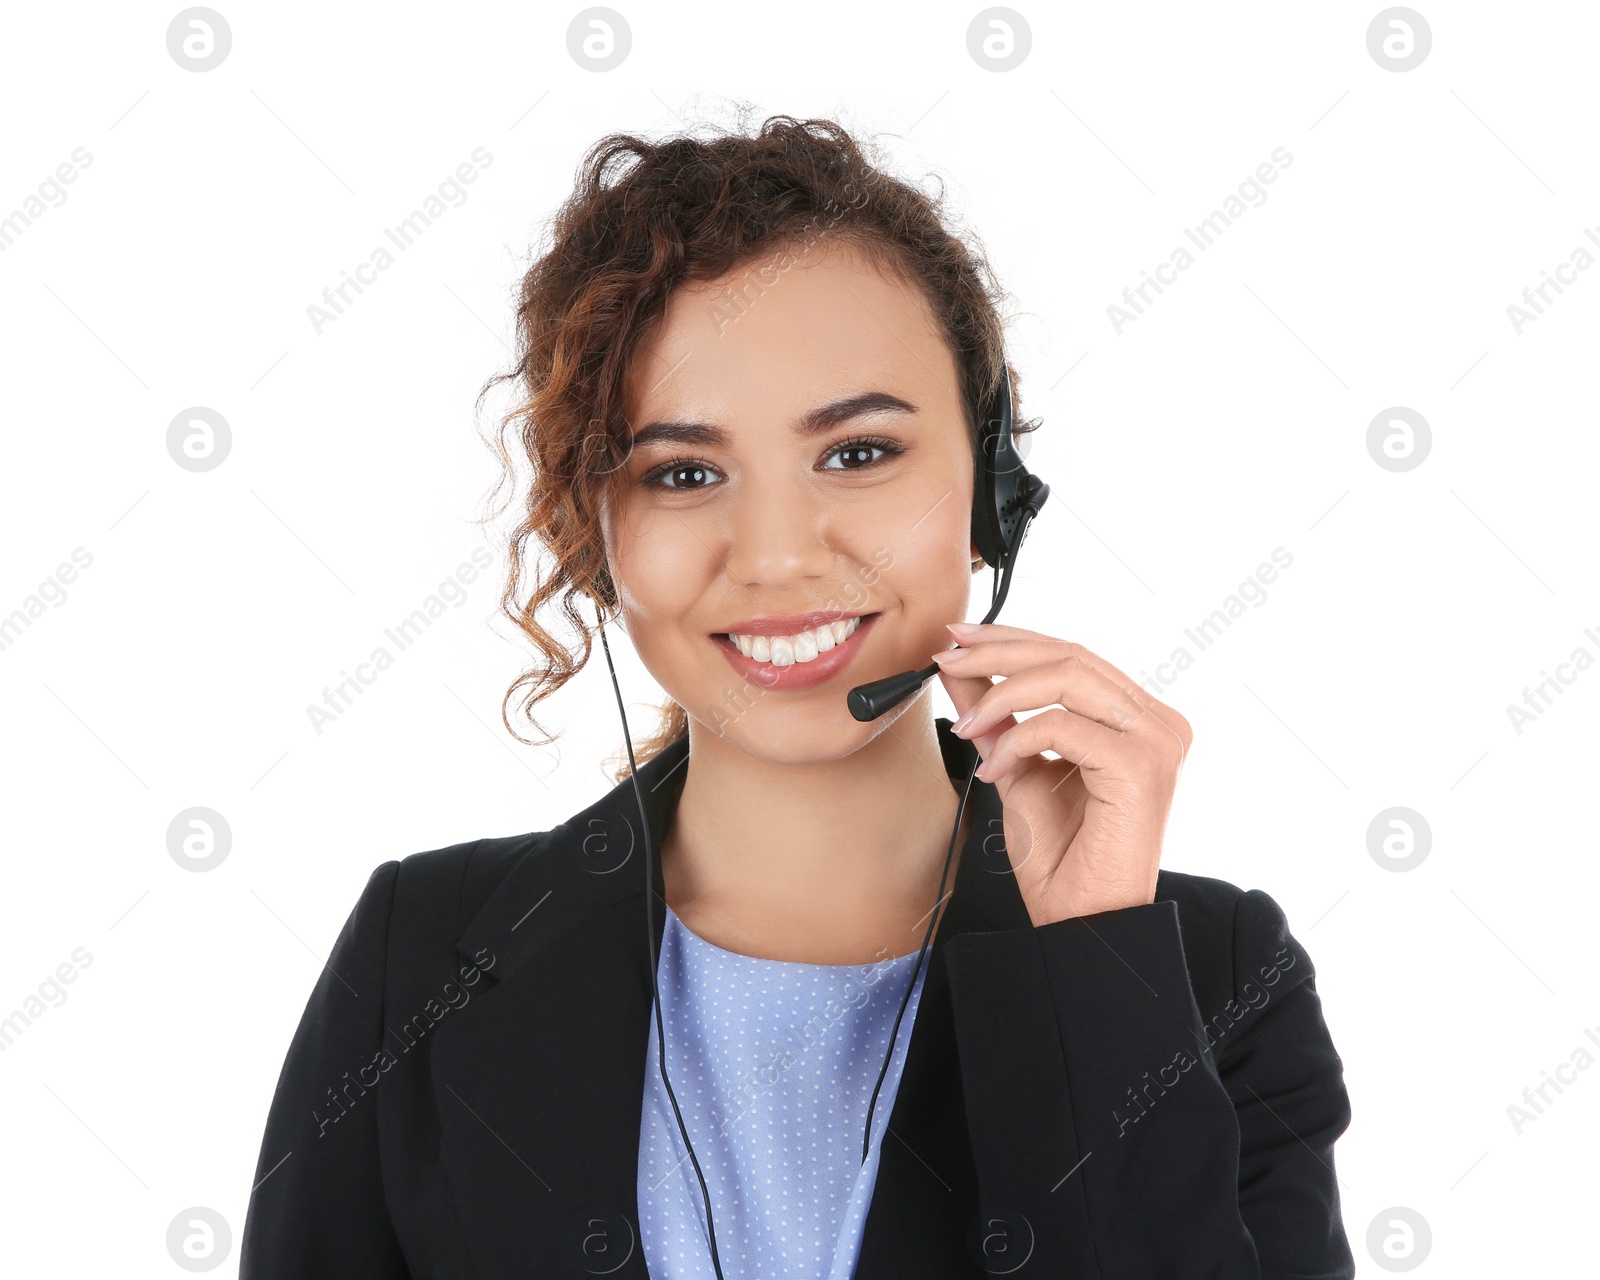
(965, 691)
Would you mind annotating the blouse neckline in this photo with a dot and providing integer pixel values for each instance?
(695, 942)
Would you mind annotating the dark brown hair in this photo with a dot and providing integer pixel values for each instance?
(644, 218)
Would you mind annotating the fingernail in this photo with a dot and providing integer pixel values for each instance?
(962, 628)
(962, 722)
(945, 655)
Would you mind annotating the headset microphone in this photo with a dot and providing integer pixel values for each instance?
(1005, 500)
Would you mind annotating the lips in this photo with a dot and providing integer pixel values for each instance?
(797, 675)
(786, 626)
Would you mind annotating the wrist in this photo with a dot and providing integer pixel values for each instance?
(1089, 905)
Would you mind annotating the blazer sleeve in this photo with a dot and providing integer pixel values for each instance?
(1147, 1136)
(317, 1209)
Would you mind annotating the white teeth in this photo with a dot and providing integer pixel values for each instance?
(784, 651)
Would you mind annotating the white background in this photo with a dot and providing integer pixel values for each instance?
(1229, 419)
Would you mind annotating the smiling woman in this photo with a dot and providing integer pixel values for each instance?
(886, 324)
(778, 509)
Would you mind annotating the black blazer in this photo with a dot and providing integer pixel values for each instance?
(1149, 1092)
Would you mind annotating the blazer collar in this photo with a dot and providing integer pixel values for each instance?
(595, 861)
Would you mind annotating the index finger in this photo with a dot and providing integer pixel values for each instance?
(1166, 716)
(1000, 631)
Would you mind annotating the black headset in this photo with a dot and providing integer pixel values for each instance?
(1005, 499)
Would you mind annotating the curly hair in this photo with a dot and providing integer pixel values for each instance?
(645, 217)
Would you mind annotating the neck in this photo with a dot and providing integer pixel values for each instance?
(833, 862)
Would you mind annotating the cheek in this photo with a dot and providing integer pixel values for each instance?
(926, 566)
(654, 561)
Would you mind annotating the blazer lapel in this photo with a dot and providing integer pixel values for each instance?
(539, 1081)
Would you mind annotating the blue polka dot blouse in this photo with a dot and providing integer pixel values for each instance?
(773, 1063)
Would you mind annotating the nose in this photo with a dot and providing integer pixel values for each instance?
(779, 534)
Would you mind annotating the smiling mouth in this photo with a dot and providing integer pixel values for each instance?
(800, 648)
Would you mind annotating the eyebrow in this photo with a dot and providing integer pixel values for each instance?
(813, 422)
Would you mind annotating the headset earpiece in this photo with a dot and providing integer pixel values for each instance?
(1001, 485)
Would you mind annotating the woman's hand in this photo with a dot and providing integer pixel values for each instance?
(1083, 832)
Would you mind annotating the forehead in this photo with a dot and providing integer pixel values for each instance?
(781, 333)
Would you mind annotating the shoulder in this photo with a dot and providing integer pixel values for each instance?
(1233, 937)
(420, 904)
(406, 933)
(449, 885)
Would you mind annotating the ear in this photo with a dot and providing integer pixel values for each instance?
(977, 559)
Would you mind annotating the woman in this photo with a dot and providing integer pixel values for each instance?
(754, 370)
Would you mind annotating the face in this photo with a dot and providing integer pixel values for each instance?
(799, 448)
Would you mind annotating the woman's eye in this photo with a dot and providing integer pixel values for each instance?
(683, 474)
(858, 451)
